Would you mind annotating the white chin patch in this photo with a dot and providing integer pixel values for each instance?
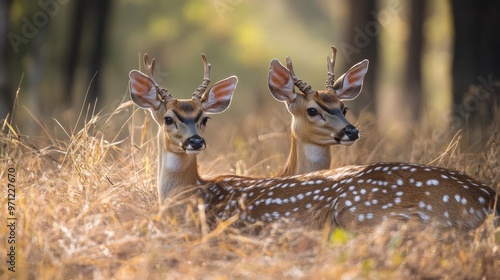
(192, 152)
(347, 143)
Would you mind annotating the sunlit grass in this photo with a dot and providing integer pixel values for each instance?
(87, 208)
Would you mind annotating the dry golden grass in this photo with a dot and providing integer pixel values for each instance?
(86, 208)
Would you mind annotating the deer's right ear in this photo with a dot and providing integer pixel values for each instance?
(281, 82)
(143, 91)
(217, 99)
(349, 85)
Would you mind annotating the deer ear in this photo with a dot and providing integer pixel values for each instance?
(143, 91)
(349, 85)
(281, 82)
(218, 97)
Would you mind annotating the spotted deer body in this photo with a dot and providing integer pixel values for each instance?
(356, 197)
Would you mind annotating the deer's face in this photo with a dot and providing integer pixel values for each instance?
(319, 118)
(181, 121)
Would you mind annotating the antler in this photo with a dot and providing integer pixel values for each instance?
(330, 63)
(206, 79)
(304, 87)
(163, 94)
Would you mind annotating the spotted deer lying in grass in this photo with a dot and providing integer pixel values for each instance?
(318, 122)
(351, 197)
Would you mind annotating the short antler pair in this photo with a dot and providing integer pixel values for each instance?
(163, 93)
(303, 86)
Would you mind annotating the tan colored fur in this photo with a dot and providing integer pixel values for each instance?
(350, 197)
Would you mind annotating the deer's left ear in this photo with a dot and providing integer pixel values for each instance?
(349, 85)
(281, 83)
(143, 91)
(218, 97)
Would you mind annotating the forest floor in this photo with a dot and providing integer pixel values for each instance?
(86, 207)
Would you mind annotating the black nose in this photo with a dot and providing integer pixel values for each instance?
(351, 132)
(194, 142)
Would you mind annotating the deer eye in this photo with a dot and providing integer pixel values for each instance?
(169, 121)
(204, 121)
(312, 112)
(344, 111)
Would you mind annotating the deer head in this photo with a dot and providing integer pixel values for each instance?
(318, 115)
(181, 121)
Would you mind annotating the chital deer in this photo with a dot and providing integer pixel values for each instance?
(318, 117)
(349, 197)
(180, 123)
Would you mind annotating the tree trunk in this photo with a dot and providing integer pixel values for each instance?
(362, 39)
(413, 78)
(73, 51)
(476, 67)
(98, 14)
(6, 92)
(90, 17)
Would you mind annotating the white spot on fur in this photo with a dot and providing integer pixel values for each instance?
(432, 182)
(481, 200)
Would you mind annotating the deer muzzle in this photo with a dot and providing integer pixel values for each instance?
(194, 145)
(348, 135)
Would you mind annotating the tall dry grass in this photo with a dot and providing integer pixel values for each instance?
(87, 208)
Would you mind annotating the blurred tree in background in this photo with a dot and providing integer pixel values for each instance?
(476, 65)
(6, 93)
(89, 18)
(363, 43)
(69, 49)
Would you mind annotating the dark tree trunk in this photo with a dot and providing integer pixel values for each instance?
(362, 43)
(6, 93)
(73, 51)
(99, 13)
(90, 17)
(413, 78)
(476, 66)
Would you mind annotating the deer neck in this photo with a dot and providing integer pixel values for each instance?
(175, 170)
(306, 158)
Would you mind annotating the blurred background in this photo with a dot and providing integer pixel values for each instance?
(434, 64)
